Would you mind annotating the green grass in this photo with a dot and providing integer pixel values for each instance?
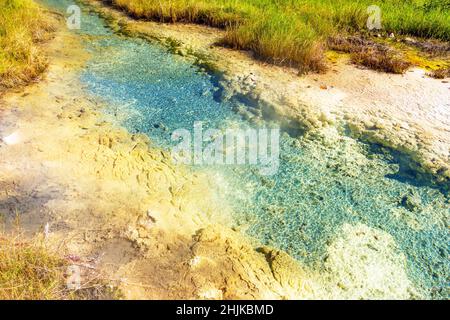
(22, 27)
(294, 32)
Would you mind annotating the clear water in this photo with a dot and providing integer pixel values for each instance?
(322, 182)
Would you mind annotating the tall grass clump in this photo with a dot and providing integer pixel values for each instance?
(295, 32)
(22, 27)
(220, 13)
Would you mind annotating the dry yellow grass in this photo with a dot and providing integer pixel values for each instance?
(376, 56)
(23, 25)
(294, 32)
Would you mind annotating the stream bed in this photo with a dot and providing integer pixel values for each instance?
(323, 182)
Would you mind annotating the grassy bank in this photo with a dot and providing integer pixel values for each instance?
(294, 32)
(22, 27)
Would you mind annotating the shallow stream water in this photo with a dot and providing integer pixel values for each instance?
(323, 182)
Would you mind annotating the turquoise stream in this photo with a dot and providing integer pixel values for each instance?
(322, 182)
